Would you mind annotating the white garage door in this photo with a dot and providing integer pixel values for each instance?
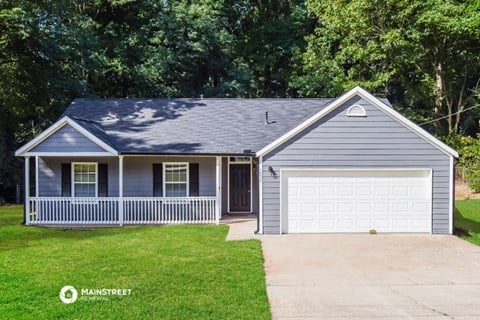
(356, 201)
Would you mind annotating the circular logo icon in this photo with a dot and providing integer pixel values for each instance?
(68, 294)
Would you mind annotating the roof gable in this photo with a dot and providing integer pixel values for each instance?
(357, 91)
(54, 140)
(67, 139)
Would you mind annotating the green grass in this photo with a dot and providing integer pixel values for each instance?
(467, 220)
(175, 272)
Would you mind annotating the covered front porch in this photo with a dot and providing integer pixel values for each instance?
(137, 189)
(122, 210)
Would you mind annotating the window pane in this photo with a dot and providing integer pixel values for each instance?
(176, 173)
(168, 175)
(84, 190)
(91, 177)
(182, 175)
(175, 190)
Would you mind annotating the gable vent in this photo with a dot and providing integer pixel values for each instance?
(356, 111)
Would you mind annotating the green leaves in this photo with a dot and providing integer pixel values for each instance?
(422, 52)
(423, 55)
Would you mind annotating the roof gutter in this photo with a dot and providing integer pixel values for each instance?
(249, 154)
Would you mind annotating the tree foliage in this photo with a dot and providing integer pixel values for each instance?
(469, 162)
(423, 55)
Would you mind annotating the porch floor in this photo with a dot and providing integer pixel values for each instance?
(241, 227)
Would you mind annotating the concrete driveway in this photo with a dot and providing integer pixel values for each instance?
(360, 276)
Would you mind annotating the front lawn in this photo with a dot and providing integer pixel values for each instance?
(175, 272)
(467, 219)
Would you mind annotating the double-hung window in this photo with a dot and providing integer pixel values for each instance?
(175, 179)
(85, 177)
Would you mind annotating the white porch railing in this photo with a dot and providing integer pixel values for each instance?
(169, 210)
(136, 210)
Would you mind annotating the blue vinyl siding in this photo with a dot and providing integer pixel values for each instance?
(67, 139)
(375, 141)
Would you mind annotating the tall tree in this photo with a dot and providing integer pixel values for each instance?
(421, 53)
(41, 46)
(270, 35)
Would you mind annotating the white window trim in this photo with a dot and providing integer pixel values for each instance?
(352, 111)
(72, 192)
(164, 182)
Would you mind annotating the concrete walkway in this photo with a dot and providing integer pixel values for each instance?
(241, 227)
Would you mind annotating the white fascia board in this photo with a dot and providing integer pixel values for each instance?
(57, 126)
(68, 154)
(369, 97)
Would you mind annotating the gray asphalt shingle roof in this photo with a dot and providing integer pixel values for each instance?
(209, 126)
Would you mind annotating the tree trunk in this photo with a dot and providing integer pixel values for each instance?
(460, 106)
(439, 92)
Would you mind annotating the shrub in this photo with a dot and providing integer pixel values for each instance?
(469, 161)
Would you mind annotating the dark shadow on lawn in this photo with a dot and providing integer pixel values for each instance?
(30, 236)
(468, 226)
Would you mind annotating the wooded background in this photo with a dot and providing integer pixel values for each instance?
(423, 55)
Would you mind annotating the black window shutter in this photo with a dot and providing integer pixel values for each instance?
(103, 180)
(157, 180)
(66, 180)
(193, 176)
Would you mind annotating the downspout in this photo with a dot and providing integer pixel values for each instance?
(260, 196)
(452, 195)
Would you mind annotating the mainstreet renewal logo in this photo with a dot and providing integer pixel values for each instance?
(69, 294)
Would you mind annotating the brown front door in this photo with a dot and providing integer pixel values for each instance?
(239, 187)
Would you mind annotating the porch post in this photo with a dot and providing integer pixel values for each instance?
(218, 200)
(120, 190)
(36, 176)
(27, 190)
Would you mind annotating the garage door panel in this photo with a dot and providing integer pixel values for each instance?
(345, 207)
(400, 191)
(416, 223)
(381, 224)
(399, 207)
(327, 207)
(400, 224)
(345, 223)
(382, 190)
(364, 191)
(363, 224)
(365, 207)
(325, 191)
(381, 207)
(358, 201)
(344, 191)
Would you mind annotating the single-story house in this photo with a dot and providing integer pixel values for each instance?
(350, 164)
